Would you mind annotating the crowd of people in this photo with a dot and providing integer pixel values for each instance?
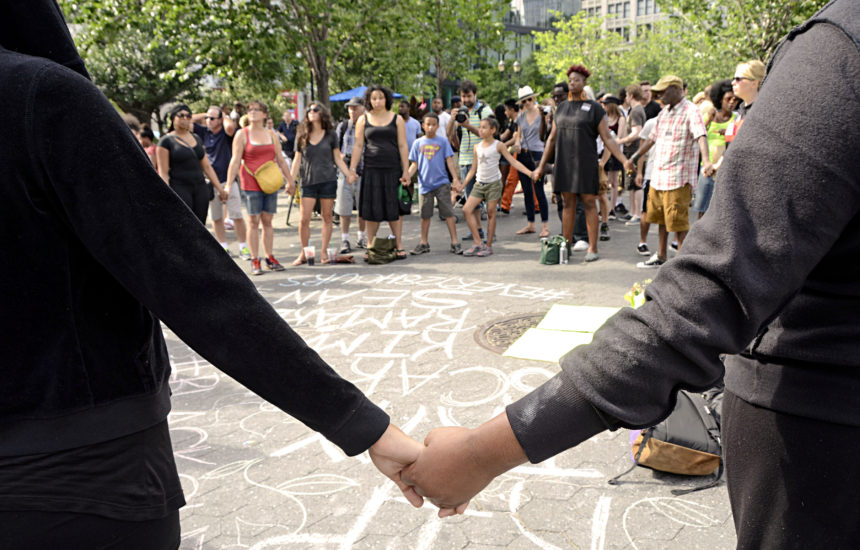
(588, 148)
(766, 294)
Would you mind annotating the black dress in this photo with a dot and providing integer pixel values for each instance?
(576, 147)
(382, 171)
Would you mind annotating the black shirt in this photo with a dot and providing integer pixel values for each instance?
(318, 161)
(289, 132)
(184, 160)
(652, 109)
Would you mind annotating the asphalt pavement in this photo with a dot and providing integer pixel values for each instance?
(413, 335)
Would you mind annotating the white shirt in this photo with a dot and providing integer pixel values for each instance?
(444, 119)
(488, 163)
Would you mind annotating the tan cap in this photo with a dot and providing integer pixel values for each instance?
(666, 81)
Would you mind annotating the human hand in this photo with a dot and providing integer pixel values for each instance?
(638, 180)
(536, 173)
(629, 166)
(404, 178)
(708, 168)
(391, 454)
(458, 463)
(352, 177)
(290, 189)
(223, 194)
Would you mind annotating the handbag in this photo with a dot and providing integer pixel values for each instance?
(404, 200)
(381, 251)
(268, 175)
(550, 252)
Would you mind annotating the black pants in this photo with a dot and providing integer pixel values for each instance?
(196, 196)
(44, 530)
(792, 480)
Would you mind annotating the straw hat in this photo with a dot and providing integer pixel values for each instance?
(524, 93)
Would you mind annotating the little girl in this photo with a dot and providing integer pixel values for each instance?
(488, 185)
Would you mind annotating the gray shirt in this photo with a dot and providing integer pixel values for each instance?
(530, 133)
(318, 161)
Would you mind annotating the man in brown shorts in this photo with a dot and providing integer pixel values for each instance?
(678, 139)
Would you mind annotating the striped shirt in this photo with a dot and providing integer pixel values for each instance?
(675, 154)
(468, 140)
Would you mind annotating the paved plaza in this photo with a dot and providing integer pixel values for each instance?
(411, 335)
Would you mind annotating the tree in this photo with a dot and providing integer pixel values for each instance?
(580, 39)
(743, 29)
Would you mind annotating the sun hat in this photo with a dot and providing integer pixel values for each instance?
(666, 81)
(524, 93)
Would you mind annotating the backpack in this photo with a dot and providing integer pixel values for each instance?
(687, 442)
(381, 251)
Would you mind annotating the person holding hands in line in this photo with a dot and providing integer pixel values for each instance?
(253, 147)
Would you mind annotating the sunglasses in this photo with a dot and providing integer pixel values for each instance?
(212, 117)
(314, 109)
(183, 115)
(739, 78)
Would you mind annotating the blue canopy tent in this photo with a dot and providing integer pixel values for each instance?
(355, 92)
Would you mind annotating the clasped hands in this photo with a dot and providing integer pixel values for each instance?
(452, 466)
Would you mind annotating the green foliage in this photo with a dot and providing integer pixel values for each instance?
(741, 29)
(493, 85)
(701, 41)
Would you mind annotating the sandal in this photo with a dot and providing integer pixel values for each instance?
(325, 261)
(401, 254)
(300, 260)
(525, 231)
(544, 234)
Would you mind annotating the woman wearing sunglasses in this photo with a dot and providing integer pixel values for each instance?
(316, 160)
(253, 147)
(745, 85)
(182, 163)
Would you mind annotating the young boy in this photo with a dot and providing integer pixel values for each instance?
(428, 156)
(488, 185)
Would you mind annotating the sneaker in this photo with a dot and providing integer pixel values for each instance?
(273, 264)
(456, 248)
(580, 246)
(473, 251)
(673, 246)
(228, 224)
(612, 215)
(361, 243)
(245, 253)
(504, 211)
(469, 236)
(420, 248)
(255, 267)
(633, 221)
(623, 217)
(345, 248)
(592, 256)
(604, 231)
(651, 263)
(485, 251)
(620, 208)
(642, 249)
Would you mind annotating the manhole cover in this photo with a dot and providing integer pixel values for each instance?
(500, 334)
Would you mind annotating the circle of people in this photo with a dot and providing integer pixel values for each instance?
(650, 141)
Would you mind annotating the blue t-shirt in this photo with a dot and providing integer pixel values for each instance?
(413, 130)
(430, 154)
(219, 149)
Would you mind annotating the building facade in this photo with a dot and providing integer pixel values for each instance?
(626, 17)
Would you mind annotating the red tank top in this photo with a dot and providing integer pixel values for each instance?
(253, 157)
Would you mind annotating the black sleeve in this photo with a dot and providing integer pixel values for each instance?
(140, 231)
(786, 192)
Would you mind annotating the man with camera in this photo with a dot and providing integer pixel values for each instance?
(463, 130)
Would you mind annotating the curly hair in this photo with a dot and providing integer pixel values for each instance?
(718, 91)
(389, 96)
(303, 132)
(579, 69)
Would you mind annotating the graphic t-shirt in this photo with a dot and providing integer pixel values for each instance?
(430, 154)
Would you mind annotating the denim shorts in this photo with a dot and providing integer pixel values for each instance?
(324, 190)
(704, 192)
(257, 202)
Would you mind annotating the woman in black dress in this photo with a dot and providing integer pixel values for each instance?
(182, 163)
(578, 122)
(385, 164)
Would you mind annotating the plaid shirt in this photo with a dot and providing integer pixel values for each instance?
(348, 129)
(675, 154)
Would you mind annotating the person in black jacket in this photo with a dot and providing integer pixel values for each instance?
(101, 248)
(770, 274)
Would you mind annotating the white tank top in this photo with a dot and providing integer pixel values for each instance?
(488, 163)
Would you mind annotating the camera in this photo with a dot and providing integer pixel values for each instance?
(462, 115)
